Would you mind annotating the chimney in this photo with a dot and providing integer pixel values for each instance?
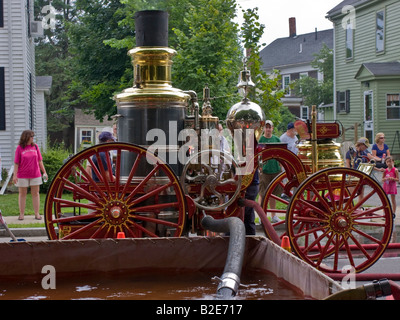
(292, 27)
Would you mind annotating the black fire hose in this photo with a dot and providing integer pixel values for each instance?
(230, 279)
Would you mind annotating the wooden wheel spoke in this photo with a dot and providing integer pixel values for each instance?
(75, 218)
(154, 220)
(309, 205)
(359, 246)
(132, 173)
(155, 207)
(325, 248)
(142, 183)
(141, 228)
(76, 233)
(151, 193)
(82, 192)
(367, 236)
(69, 203)
(310, 231)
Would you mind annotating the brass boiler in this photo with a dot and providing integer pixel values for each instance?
(329, 155)
(320, 152)
(152, 103)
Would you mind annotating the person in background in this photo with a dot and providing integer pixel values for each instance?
(358, 154)
(290, 137)
(249, 215)
(104, 137)
(390, 178)
(270, 170)
(380, 151)
(28, 163)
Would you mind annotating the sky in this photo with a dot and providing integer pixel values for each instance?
(275, 14)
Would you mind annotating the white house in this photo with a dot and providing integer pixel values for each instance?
(21, 107)
(293, 56)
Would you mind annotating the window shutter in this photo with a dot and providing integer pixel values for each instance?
(337, 101)
(1, 13)
(2, 100)
(347, 101)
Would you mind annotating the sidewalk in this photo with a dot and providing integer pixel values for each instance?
(23, 231)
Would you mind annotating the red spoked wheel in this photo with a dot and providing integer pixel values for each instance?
(282, 200)
(339, 217)
(143, 198)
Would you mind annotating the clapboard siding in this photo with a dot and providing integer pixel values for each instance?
(365, 52)
(17, 57)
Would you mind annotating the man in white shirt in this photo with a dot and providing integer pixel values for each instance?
(290, 138)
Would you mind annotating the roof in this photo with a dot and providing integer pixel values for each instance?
(380, 69)
(295, 50)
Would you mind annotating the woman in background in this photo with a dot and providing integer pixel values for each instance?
(390, 178)
(27, 166)
(380, 151)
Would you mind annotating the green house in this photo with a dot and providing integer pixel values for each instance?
(367, 69)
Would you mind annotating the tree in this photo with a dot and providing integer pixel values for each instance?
(209, 52)
(53, 58)
(266, 94)
(98, 70)
(315, 92)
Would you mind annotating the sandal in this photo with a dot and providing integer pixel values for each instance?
(40, 218)
(19, 218)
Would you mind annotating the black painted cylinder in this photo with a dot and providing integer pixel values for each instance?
(151, 27)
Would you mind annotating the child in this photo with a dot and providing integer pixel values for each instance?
(390, 178)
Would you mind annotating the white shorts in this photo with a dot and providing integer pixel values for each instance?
(29, 182)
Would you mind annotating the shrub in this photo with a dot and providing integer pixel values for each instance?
(53, 160)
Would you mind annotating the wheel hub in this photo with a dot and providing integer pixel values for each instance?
(115, 212)
(340, 222)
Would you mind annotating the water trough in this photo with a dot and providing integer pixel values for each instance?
(24, 261)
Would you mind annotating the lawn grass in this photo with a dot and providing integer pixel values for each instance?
(9, 207)
(9, 204)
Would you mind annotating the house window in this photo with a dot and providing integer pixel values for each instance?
(393, 106)
(349, 40)
(303, 75)
(304, 113)
(286, 85)
(2, 100)
(343, 101)
(86, 136)
(380, 31)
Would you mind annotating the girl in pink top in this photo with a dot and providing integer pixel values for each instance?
(27, 165)
(390, 178)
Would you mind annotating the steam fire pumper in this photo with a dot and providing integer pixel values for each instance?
(163, 188)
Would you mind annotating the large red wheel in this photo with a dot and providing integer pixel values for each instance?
(143, 199)
(339, 217)
(282, 202)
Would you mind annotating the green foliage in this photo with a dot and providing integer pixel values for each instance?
(53, 59)
(53, 160)
(313, 91)
(87, 54)
(206, 55)
(97, 68)
(266, 94)
(4, 174)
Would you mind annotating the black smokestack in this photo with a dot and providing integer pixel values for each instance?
(151, 28)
